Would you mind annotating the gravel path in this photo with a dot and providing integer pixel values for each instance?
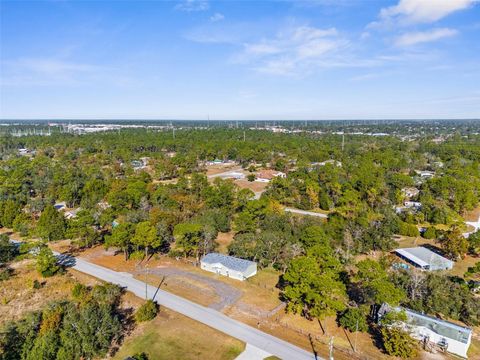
(228, 294)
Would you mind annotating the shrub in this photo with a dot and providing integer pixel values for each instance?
(140, 356)
(397, 342)
(430, 233)
(147, 311)
(47, 262)
(251, 177)
(353, 316)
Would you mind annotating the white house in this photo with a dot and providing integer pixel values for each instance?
(429, 330)
(413, 205)
(267, 175)
(72, 214)
(230, 266)
(323, 163)
(424, 258)
(425, 174)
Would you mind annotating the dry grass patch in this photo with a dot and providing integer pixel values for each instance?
(173, 336)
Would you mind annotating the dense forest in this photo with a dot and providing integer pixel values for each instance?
(169, 206)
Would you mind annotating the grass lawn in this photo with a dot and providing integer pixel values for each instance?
(173, 336)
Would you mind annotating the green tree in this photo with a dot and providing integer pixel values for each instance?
(454, 244)
(146, 311)
(10, 210)
(121, 238)
(46, 262)
(188, 238)
(311, 290)
(375, 285)
(354, 319)
(474, 243)
(8, 250)
(397, 342)
(146, 236)
(51, 224)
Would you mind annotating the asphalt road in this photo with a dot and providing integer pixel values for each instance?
(207, 316)
(304, 212)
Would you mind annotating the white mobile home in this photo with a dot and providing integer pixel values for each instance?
(446, 335)
(230, 266)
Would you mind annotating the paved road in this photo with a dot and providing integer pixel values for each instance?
(304, 212)
(207, 316)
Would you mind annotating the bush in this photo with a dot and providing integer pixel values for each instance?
(140, 356)
(251, 177)
(147, 311)
(408, 229)
(430, 233)
(137, 255)
(5, 273)
(353, 316)
(397, 342)
(47, 262)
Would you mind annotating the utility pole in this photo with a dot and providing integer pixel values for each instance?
(330, 346)
(146, 284)
(356, 334)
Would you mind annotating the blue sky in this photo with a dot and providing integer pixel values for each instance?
(324, 59)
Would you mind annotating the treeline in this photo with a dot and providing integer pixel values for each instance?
(82, 328)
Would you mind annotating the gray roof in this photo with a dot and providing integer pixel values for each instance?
(228, 261)
(423, 256)
(441, 327)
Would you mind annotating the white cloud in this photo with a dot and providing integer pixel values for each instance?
(293, 50)
(408, 12)
(192, 5)
(217, 17)
(418, 37)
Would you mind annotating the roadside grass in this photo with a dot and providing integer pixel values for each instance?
(173, 336)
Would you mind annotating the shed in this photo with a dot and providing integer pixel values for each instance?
(453, 338)
(230, 266)
(424, 258)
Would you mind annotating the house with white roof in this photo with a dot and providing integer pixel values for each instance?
(432, 331)
(229, 266)
(424, 258)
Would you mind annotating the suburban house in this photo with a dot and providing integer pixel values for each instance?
(72, 214)
(60, 205)
(425, 174)
(410, 192)
(267, 175)
(323, 163)
(230, 266)
(233, 175)
(424, 258)
(433, 332)
(413, 205)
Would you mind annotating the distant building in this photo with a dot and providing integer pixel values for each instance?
(425, 174)
(233, 175)
(230, 266)
(432, 331)
(323, 163)
(60, 205)
(424, 258)
(72, 214)
(410, 192)
(413, 205)
(267, 175)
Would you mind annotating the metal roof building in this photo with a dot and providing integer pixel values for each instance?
(453, 338)
(230, 266)
(424, 258)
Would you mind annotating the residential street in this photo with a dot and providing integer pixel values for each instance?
(207, 316)
(304, 212)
